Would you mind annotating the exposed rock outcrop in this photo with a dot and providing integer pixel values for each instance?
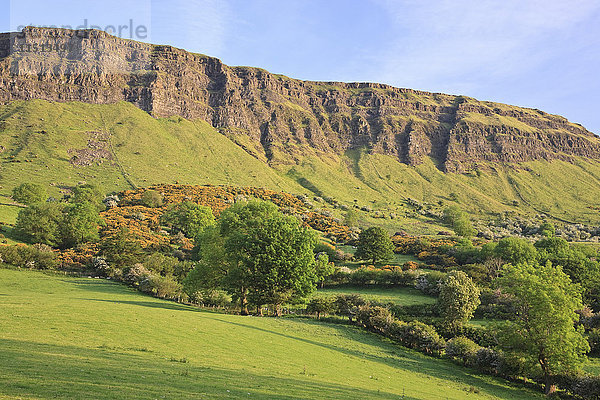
(276, 117)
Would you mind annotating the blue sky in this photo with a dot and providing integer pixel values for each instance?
(537, 53)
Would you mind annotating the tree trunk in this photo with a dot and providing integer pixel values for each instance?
(243, 302)
(549, 387)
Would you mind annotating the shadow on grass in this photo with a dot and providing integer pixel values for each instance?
(164, 304)
(59, 371)
(400, 357)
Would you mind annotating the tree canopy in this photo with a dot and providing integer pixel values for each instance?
(29, 193)
(259, 255)
(543, 329)
(458, 300)
(374, 244)
(189, 218)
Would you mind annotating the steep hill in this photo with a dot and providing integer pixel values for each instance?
(157, 114)
(83, 337)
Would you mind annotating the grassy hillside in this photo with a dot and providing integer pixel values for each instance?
(119, 146)
(88, 338)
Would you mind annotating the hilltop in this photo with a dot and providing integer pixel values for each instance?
(123, 114)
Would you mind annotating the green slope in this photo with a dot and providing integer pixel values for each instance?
(39, 138)
(83, 338)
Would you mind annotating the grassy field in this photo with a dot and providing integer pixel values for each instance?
(81, 338)
(400, 296)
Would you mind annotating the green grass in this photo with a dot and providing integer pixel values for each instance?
(80, 338)
(400, 296)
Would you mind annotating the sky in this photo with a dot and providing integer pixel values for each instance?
(542, 54)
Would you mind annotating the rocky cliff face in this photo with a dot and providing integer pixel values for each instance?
(277, 118)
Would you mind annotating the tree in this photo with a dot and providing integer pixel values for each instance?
(547, 229)
(29, 193)
(323, 268)
(276, 257)
(459, 221)
(88, 193)
(320, 305)
(351, 218)
(257, 254)
(152, 199)
(120, 250)
(347, 304)
(40, 223)
(374, 244)
(79, 224)
(189, 218)
(458, 300)
(543, 330)
(514, 250)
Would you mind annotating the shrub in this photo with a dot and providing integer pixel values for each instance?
(430, 283)
(29, 193)
(152, 199)
(462, 349)
(588, 387)
(487, 360)
(38, 256)
(417, 335)
(374, 318)
(320, 305)
(347, 304)
(164, 287)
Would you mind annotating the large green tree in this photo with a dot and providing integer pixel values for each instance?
(458, 300)
(515, 250)
(543, 329)
(374, 244)
(257, 254)
(277, 258)
(189, 218)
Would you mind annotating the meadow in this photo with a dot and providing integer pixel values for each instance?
(83, 338)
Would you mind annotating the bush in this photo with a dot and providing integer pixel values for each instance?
(212, 298)
(29, 193)
(152, 199)
(487, 360)
(417, 335)
(588, 387)
(347, 304)
(320, 305)
(374, 318)
(38, 256)
(462, 349)
(430, 283)
(164, 287)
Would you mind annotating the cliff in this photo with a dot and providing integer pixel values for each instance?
(276, 118)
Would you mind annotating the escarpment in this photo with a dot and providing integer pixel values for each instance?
(277, 118)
